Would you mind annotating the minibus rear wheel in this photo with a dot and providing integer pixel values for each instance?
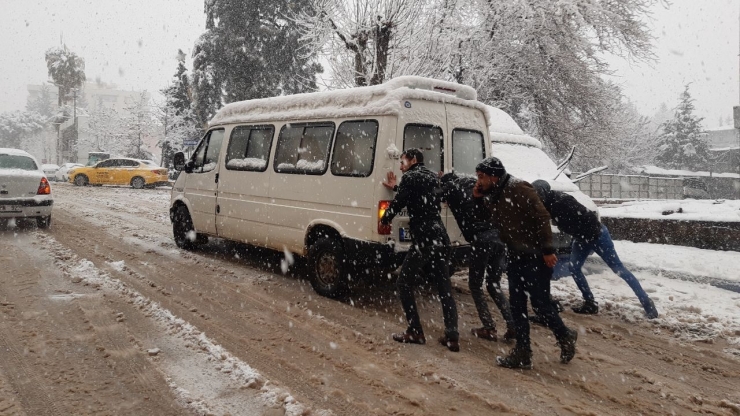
(326, 268)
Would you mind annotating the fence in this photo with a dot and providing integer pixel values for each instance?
(631, 187)
(652, 187)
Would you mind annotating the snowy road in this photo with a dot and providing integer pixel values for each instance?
(102, 314)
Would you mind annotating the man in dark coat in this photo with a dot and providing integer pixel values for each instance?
(517, 212)
(589, 236)
(487, 256)
(418, 192)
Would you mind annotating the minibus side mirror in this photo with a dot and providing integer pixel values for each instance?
(179, 162)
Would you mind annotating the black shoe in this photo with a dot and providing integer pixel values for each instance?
(517, 358)
(409, 338)
(510, 335)
(588, 307)
(537, 319)
(451, 344)
(568, 346)
(650, 310)
(485, 333)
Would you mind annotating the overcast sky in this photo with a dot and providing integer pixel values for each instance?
(133, 44)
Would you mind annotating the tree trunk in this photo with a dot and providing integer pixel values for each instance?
(383, 34)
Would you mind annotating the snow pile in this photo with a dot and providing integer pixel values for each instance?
(685, 262)
(247, 163)
(85, 272)
(686, 209)
(302, 165)
(654, 170)
(690, 310)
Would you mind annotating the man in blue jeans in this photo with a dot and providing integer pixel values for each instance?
(589, 236)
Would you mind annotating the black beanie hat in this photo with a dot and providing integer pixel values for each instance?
(541, 185)
(491, 166)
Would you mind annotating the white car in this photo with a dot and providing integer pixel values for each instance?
(24, 190)
(62, 174)
(50, 170)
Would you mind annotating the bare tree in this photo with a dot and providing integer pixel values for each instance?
(367, 41)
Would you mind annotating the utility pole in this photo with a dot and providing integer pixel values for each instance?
(73, 149)
(164, 142)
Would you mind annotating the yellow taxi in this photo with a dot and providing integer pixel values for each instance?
(119, 171)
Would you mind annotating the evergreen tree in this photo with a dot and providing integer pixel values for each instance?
(66, 69)
(17, 127)
(682, 145)
(249, 50)
(177, 114)
(43, 104)
(178, 94)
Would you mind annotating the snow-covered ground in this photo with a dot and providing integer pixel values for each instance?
(201, 370)
(686, 209)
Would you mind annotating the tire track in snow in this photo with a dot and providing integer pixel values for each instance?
(180, 331)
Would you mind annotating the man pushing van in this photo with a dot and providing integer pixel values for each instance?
(524, 223)
(417, 192)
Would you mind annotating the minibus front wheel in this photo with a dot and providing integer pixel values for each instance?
(326, 268)
(182, 228)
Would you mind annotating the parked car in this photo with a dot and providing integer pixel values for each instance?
(523, 157)
(62, 174)
(119, 171)
(25, 191)
(50, 170)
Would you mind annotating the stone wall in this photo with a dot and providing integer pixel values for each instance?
(700, 234)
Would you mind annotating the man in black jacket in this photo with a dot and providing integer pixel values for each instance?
(589, 236)
(487, 254)
(418, 193)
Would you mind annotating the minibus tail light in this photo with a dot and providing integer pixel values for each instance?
(382, 228)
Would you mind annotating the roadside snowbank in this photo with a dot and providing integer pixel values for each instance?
(686, 209)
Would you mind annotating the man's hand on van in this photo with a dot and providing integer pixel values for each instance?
(390, 180)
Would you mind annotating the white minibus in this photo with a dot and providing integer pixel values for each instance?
(303, 173)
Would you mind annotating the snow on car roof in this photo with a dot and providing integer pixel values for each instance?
(502, 128)
(384, 99)
(16, 152)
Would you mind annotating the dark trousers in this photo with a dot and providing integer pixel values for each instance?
(434, 260)
(487, 262)
(530, 276)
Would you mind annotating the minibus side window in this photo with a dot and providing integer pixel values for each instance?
(205, 158)
(303, 148)
(468, 148)
(249, 148)
(354, 148)
(429, 140)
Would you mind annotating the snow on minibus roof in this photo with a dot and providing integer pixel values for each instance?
(384, 99)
